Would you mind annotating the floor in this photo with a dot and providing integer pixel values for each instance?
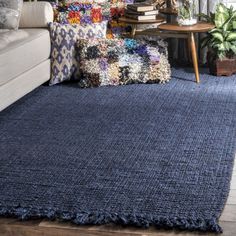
(13, 227)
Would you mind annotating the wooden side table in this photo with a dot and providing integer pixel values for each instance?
(200, 27)
(135, 23)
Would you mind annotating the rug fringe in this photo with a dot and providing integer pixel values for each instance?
(98, 218)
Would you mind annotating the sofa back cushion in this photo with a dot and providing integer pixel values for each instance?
(10, 11)
(36, 15)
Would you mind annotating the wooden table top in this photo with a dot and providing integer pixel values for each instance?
(199, 27)
(159, 19)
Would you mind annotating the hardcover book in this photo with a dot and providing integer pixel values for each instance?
(140, 7)
(143, 13)
(141, 17)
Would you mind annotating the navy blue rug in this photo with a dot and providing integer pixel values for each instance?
(138, 155)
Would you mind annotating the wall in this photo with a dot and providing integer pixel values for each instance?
(231, 2)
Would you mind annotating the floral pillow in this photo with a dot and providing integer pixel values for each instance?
(122, 61)
(10, 11)
(63, 39)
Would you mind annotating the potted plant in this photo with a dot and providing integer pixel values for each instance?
(221, 41)
(187, 13)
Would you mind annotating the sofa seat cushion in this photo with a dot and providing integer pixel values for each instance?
(22, 50)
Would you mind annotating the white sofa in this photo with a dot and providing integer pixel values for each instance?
(24, 54)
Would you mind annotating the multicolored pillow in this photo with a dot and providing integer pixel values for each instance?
(63, 39)
(10, 11)
(122, 61)
(77, 12)
(92, 11)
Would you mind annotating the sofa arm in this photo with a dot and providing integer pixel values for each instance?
(36, 15)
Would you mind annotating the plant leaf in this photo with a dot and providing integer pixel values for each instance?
(215, 30)
(227, 46)
(218, 36)
(221, 16)
(233, 48)
(212, 17)
(231, 36)
(205, 41)
(221, 8)
(221, 47)
(234, 24)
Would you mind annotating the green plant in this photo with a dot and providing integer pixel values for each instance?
(187, 10)
(184, 13)
(222, 39)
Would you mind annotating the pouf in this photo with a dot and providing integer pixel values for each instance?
(122, 61)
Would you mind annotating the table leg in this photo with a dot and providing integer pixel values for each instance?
(191, 40)
(189, 51)
(134, 27)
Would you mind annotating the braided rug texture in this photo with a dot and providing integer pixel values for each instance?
(138, 155)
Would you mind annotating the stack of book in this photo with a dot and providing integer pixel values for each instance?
(141, 11)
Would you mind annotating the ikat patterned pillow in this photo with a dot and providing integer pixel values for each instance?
(94, 30)
(122, 61)
(64, 65)
(10, 11)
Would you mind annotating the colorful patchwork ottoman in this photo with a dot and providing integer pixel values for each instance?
(122, 61)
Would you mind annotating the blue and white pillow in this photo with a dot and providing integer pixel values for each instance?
(64, 65)
(93, 30)
(10, 11)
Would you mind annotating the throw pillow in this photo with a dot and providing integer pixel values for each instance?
(63, 39)
(118, 61)
(77, 13)
(80, 12)
(94, 30)
(10, 13)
